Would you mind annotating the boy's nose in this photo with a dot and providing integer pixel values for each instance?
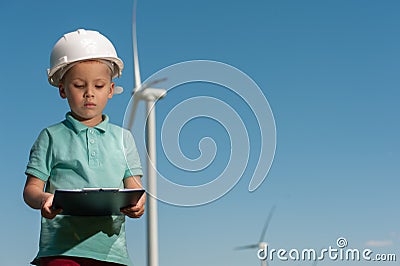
(89, 92)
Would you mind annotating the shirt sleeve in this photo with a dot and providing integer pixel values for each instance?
(134, 167)
(39, 164)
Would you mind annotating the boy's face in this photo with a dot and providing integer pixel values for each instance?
(87, 86)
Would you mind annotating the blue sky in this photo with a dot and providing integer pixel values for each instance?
(329, 70)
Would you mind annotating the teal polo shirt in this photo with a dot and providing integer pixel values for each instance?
(70, 155)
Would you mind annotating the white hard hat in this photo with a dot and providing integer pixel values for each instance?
(78, 46)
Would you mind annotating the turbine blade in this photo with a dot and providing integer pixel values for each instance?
(247, 247)
(133, 112)
(135, 48)
(138, 81)
(264, 231)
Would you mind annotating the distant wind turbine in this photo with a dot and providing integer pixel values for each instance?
(261, 243)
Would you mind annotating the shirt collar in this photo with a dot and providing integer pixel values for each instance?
(78, 126)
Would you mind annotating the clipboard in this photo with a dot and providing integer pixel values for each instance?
(95, 201)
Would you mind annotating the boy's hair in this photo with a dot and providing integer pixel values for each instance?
(62, 72)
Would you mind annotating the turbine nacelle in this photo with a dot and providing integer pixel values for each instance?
(263, 245)
(150, 94)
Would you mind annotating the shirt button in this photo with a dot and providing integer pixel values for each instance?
(93, 153)
(91, 131)
(91, 141)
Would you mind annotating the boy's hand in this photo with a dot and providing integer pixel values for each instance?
(36, 198)
(46, 209)
(136, 211)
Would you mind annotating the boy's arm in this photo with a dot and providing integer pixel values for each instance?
(138, 210)
(36, 198)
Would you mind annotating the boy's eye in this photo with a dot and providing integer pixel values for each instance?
(78, 86)
(100, 86)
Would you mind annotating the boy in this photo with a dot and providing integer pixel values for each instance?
(83, 151)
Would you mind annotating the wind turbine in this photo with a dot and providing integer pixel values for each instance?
(261, 243)
(150, 96)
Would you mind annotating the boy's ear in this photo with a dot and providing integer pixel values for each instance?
(110, 95)
(61, 90)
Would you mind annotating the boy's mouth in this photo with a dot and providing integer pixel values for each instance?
(89, 105)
